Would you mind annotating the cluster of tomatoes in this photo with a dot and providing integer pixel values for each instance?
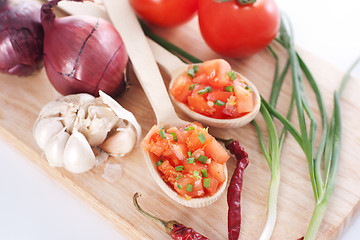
(232, 28)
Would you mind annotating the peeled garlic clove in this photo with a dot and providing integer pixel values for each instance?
(54, 149)
(78, 155)
(46, 129)
(121, 142)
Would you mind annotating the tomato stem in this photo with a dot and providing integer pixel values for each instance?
(246, 2)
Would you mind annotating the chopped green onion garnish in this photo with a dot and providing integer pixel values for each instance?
(248, 88)
(174, 136)
(179, 186)
(204, 172)
(189, 154)
(189, 128)
(196, 173)
(219, 103)
(162, 133)
(159, 163)
(196, 68)
(191, 87)
(201, 137)
(206, 182)
(206, 89)
(229, 88)
(179, 168)
(189, 187)
(232, 75)
(191, 72)
(190, 160)
(202, 159)
(178, 176)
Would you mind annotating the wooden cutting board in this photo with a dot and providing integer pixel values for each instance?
(22, 98)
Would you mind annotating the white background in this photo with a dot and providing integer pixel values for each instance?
(34, 207)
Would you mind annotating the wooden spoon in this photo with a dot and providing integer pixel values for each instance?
(175, 67)
(149, 76)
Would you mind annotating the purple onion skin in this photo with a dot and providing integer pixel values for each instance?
(83, 54)
(21, 38)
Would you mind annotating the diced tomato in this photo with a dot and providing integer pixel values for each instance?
(180, 88)
(200, 105)
(201, 78)
(244, 98)
(179, 135)
(216, 152)
(193, 141)
(153, 142)
(189, 168)
(216, 70)
(169, 172)
(213, 186)
(196, 182)
(217, 171)
(219, 95)
(179, 150)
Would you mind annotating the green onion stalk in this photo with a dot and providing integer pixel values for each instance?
(328, 151)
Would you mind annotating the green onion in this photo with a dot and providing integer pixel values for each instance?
(158, 163)
(196, 68)
(178, 176)
(202, 159)
(190, 160)
(189, 187)
(162, 133)
(189, 154)
(189, 128)
(174, 136)
(206, 89)
(231, 75)
(179, 168)
(196, 173)
(219, 103)
(191, 72)
(204, 172)
(229, 88)
(179, 186)
(248, 88)
(201, 137)
(191, 87)
(206, 182)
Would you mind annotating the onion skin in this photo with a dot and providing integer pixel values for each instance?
(83, 54)
(21, 38)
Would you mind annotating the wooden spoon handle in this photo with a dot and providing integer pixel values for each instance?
(125, 21)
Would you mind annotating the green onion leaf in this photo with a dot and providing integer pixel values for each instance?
(191, 72)
(162, 133)
(178, 176)
(179, 168)
(179, 186)
(189, 128)
(191, 87)
(189, 154)
(190, 160)
(201, 137)
(231, 75)
(174, 136)
(202, 159)
(159, 163)
(206, 182)
(196, 68)
(189, 187)
(219, 103)
(248, 88)
(196, 173)
(229, 88)
(206, 89)
(204, 172)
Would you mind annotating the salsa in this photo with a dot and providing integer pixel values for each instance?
(188, 159)
(213, 89)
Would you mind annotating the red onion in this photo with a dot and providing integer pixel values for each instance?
(21, 38)
(83, 54)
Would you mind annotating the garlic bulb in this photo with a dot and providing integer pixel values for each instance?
(78, 131)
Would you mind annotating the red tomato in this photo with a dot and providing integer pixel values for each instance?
(235, 30)
(165, 13)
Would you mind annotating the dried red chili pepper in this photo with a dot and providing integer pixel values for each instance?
(177, 230)
(235, 187)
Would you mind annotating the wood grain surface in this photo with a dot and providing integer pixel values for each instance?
(22, 98)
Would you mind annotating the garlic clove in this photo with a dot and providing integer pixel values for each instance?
(78, 155)
(121, 142)
(54, 149)
(46, 129)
